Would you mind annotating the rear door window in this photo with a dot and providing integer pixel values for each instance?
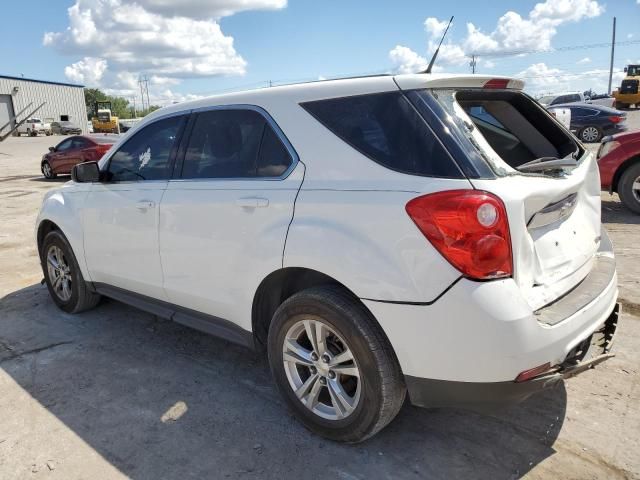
(387, 129)
(226, 143)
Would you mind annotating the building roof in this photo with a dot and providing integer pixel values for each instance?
(42, 81)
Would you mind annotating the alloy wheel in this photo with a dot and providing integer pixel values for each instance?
(590, 134)
(59, 273)
(321, 369)
(635, 189)
(46, 169)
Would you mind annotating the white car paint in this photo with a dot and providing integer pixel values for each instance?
(207, 245)
(563, 115)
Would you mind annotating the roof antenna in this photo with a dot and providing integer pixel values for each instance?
(435, 54)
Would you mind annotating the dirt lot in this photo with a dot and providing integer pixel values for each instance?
(116, 393)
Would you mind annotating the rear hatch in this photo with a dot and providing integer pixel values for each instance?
(548, 182)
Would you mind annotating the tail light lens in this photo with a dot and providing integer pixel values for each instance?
(616, 119)
(469, 228)
(102, 149)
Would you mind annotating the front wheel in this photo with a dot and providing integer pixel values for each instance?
(590, 134)
(47, 171)
(629, 188)
(334, 365)
(62, 274)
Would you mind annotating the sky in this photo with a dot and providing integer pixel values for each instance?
(193, 48)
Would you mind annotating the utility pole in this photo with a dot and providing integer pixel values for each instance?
(472, 64)
(613, 48)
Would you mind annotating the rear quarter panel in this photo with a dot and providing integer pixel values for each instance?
(366, 241)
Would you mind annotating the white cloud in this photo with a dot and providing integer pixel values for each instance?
(405, 60)
(540, 78)
(535, 32)
(583, 61)
(89, 70)
(512, 33)
(199, 9)
(434, 27)
(488, 64)
(167, 40)
(630, 35)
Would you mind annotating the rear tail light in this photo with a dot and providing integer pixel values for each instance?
(469, 228)
(617, 118)
(102, 149)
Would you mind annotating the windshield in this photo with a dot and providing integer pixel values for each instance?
(546, 100)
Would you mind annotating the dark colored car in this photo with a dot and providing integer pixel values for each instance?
(65, 128)
(592, 122)
(619, 163)
(71, 151)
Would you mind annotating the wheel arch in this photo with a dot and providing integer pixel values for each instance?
(278, 286)
(621, 169)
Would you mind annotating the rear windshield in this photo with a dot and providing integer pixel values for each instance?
(509, 124)
(386, 128)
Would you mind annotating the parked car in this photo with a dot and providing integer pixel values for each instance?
(563, 115)
(71, 151)
(591, 122)
(619, 163)
(368, 233)
(65, 128)
(576, 97)
(32, 127)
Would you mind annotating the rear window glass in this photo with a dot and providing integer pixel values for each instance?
(387, 129)
(506, 123)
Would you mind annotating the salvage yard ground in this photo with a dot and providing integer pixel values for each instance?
(116, 392)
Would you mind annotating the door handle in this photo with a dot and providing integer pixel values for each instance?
(252, 202)
(145, 204)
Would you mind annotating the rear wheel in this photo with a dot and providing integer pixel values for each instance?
(62, 275)
(629, 188)
(334, 365)
(47, 171)
(590, 134)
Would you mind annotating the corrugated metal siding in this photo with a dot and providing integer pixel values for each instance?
(60, 100)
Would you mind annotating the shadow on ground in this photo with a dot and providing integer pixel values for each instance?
(616, 212)
(110, 375)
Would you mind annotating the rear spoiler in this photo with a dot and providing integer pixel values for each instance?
(461, 81)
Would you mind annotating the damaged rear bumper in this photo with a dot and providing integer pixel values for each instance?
(491, 396)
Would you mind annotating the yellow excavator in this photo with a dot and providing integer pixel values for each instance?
(103, 121)
(628, 94)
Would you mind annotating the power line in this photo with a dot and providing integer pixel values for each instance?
(511, 53)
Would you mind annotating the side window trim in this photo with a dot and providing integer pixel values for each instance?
(241, 106)
(174, 151)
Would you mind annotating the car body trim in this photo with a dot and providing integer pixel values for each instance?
(210, 324)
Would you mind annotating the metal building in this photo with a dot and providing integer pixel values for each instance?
(62, 101)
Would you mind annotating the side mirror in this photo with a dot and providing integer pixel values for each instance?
(86, 172)
(52, 149)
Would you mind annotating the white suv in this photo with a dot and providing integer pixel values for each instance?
(432, 234)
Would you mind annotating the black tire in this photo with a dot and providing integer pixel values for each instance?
(48, 173)
(595, 139)
(625, 188)
(82, 298)
(382, 389)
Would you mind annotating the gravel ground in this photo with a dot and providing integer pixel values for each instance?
(117, 393)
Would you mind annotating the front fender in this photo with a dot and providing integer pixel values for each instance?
(63, 207)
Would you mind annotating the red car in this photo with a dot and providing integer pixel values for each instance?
(619, 163)
(74, 150)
